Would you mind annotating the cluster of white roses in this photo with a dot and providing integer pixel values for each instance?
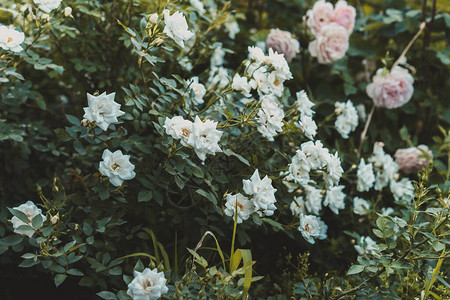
(202, 136)
(347, 119)
(10, 39)
(380, 171)
(313, 157)
(306, 122)
(262, 199)
(332, 28)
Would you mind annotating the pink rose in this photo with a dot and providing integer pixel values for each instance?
(344, 15)
(331, 44)
(320, 15)
(391, 90)
(282, 42)
(412, 160)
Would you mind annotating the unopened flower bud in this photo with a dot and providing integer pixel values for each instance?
(158, 41)
(67, 11)
(84, 122)
(76, 226)
(54, 219)
(153, 18)
(45, 17)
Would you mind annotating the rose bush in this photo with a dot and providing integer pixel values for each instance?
(215, 158)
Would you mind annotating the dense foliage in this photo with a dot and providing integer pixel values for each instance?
(142, 140)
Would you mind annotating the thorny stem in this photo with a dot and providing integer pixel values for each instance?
(366, 127)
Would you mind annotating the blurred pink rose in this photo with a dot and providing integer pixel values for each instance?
(412, 160)
(391, 90)
(282, 42)
(344, 15)
(321, 14)
(331, 44)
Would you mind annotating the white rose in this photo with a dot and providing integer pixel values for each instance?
(256, 54)
(308, 126)
(360, 206)
(47, 5)
(270, 117)
(334, 199)
(10, 39)
(402, 190)
(312, 227)
(347, 120)
(176, 27)
(242, 85)
(31, 211)
(178, 128)
(153, 18)
(232, 28)
(102, 110)
(313, 200)
(241, 204)
(148, 285)
(304, 104)
(365, 175)
(205, 138)
(116, 166)
(367, 246)
(263, 193)
(198, 89)
(299, 168)
(334, 170)
(297, 206)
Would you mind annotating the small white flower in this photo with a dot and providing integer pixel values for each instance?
(316, 154)
(387, 211)
(360, 206)
(275, 84)
(47, 5)
(280, 64)
(308, 126)
(270, 117)
(10, 39)
(116, 166)
(198, 89)
(304, 104)
(198, 5)
(217, 58)
(263, 193)
(178, 128)
(67, 12)
(232, 28)
(335, 199)
(402, 190)
(347, 120)
(313, 200)
(102, 110)
(185, 63)
(384, 166)
(148, 285)
(176, 27)
(299, 168)
(262, 81)
(297, 206)
(218, 78)
(366, 178)
(256, 54)
(153, 18)
(241, 204)
(312, 227)
(31, 211)
(242, 85)
(334, 170)
(205, 138)
(367, 246)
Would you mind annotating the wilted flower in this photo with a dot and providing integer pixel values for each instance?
(270, 117)
(241, 204)
(148, 285)
(10, 39)
(263, 193)
(360, 206)
(321, 14)
(402, 190)
(31, 211)
(347, 119)
(176, 27)
(367, 246)
(282, 42)
(116, 166)
(178, 128)
(313, 201)
(198, 89)
(334, 198)
(391, 89)
(205, 138)
(102, 110)
(330, 44)
(47, 5)
(412, 160)
(312, 227)
(366, 178)
(297, 206)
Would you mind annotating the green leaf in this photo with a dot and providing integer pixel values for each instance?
(37, 221)
(11, 240)
(381, 223)
(59, 279)
(75, 272)
(378, 233)
(145, 195)
(355, 269)
(179, 182)
(107, 295)
(17, 213)
(73, 120)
